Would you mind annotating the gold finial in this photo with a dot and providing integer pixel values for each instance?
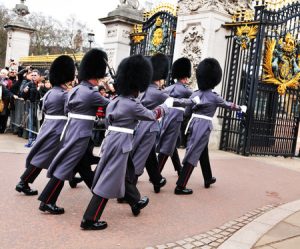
(158, 22)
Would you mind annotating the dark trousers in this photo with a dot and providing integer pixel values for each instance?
(51, 191)
(132, 194)
(205, 164)
(84, 166)
(176, 160)
(3, 121)
(185, 175)
(152, 167)
(95, 208)
(188, 169)
(30, 174)
(162, 159)
(54, 186)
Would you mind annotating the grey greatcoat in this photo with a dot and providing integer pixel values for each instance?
(123, 111)
(171, 123)
(84, 100)
(47, 141)
(199, 128)
(147, 132)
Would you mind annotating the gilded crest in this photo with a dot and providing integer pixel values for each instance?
(137, 36)
(282, 63)
(245, 34)
(158, 36)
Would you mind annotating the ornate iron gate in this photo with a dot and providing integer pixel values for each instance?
(157, 33)
(263, 72)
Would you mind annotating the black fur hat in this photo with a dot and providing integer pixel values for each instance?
(181, 68)
(62, 70)
(160, 65)
(208, 74)
(134, 74)
(93, 65)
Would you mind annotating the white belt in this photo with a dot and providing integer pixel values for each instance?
(178, 108)
(54, 117)
(194, 115)
(76, 116)
(120, 129)
(58, 117)
(81, 116)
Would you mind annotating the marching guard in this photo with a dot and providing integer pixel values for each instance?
(208, 74)
(171, 123)
(148, 131)
(82, 104)
(133, 76)
(62, 72)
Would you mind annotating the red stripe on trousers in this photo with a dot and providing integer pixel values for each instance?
(30, 174)
(163, 162)
(53, 191)
(187, 177)
(98, 209)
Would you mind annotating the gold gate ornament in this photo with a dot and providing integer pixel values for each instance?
(281, 66)
(245, 34)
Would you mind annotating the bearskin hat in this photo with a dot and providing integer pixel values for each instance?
(62, 70)
(181, 68)
(134, 74)
(208, 74)
(93, 65)
(160, 65)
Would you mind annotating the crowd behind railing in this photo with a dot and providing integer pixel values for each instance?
(21, 94)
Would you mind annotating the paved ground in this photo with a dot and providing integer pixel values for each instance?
(246, 188)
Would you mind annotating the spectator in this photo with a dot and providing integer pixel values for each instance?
(30, 93)
(4, 97)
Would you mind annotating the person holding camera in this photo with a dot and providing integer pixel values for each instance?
(31, 93)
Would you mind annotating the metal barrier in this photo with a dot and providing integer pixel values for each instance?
(25, 118)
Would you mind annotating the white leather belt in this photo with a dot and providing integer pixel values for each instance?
(76, 116)
(178, 108)
(81, 116)
(120, 129)
(58, 117)
(194, 115)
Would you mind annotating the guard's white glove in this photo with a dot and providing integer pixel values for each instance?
(169, 102)
(196, 100)
(243, 108)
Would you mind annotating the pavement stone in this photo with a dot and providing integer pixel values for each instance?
(251, 222)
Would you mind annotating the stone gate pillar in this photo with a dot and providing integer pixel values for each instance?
(200, 34)
(18, 35)
(119, 24)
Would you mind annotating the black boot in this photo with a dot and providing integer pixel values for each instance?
(162, 183)
(183, 180)
(182, 191)
(122, 200)
(136, 208)
(24, 187)
(74, 181)
(209, 182)
(93, 225)
(49, 196)
(51, 208)
(90, 220)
